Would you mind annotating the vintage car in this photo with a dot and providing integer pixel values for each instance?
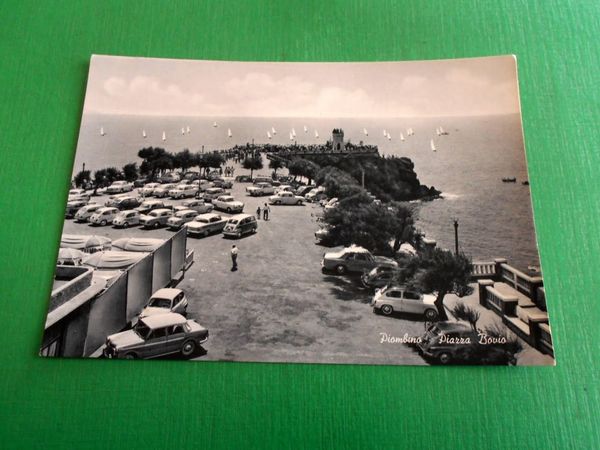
(323, 235)
(157, 335)
(205, 224)
(378, 277)
(163, 190)
(243, 179)
(85, 212)
(200, 206)
(183, 191)
(225, 183)
(164, 301)
(260, 189)
(315, 195)
(119, 186)
(202, 185)
(191, 175)
(391, 299)
(148, 189)
(123, 202)
(285, 198)
(177, 220)
(127, 218)
(78, 194)
(228, 203)
(457, 342)
(262, 179)
(103, 216)
(303, 190)
(330, 204)
(170, 177)
(239, 225)
(73, 206)
(150, 205)
(284, 188)
(211, 193)
(354, 259)
(156, 218)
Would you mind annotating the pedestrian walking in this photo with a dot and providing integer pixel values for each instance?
(234, 255)
(266, 211)
(258, 213)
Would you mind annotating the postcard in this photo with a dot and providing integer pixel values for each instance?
(340, 213)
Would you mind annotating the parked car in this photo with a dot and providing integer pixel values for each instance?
(323, 235)
(239, 225)
(262, 179)
(148, 189)
(330, 204)
(391, 299)
(354, 259)
(202, 186)
(150, 205)
(224, 183)
(124, 202)
(285, 179)
(191, 175)
(164, 301)
(303, 190)
(127, 218)
(163, 190)
(78, 194)
(104, 216)
(85, 212)
(119, 186)
(157, 335)
(200, 206)
(73, 206)
(315, 195)
(260, 189)
(450, 342)
(378, 277)
(156, 218)
(177, 220)
(170, 177)
(243, 179)
(285, 198)
(211, 193)
(228, 203)
(76, 191)
(284, 188)
(205, 224)
(183, 191)
(140, 182)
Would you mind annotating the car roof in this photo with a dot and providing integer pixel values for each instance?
(167, 293)
(181, 212)
(240, 216)
(163, 320)
(160, 210)
(207, 216)
(356, 249)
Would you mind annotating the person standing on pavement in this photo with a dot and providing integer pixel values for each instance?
(258, 213)
(266, 211)
(234, 255)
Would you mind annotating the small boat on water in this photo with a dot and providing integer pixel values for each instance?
(432, 145)
(316, 134)
(365, 132)
(164, 136)
(187, 129)
(389, 136)
(144, 135)
(229, 132)
(401, 137)
(385, 133)
(269, 135)
(182, 130)
(291, 136)
(293, 132)
(273, 131)
(305, 129)
(443, 132)
(102, 133)
(410, 132)
(509, 180)
(215, 125)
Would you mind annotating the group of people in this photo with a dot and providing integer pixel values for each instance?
(265, 211)
(229, 171)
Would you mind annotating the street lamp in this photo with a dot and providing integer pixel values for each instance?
(456, 236)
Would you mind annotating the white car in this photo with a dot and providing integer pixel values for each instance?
(127, 218)
(316, 194)
(163, 190)
(331, 204)
(119, 186)
(104, 216)
(284, 188)
(148, 189)
(156, 218)
(200, 206)
(228, 203)
(183, 191)
(202, 185)
(285, 198)
(260, 189)
(399, 299)
(180, 218)
(164, 301)
(211, 193)
(85, 212)
(205, 224)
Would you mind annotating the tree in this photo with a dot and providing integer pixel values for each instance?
(304, 168)
(184, 160)
(275, 164)
(214, 160)
(155, 160)
(99, 179)
(82, 178)
(252, 163)
(404, 225)
(130, 172)
(113, 174)
(443, 273)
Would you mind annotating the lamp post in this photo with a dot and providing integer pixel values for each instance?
(456, 236)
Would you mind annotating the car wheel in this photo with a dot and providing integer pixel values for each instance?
(156, 225)
(278, 202)
(239, 234)
(431, 314)
(229, 210)
(444, 358)
(340, 269)
(387, 310)
(299, 202)
(130, 356)
(188, 348)
(125, 225)
(103, 223)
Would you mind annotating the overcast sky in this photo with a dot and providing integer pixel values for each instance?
(150, 86)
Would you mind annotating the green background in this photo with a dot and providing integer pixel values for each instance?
(44, 53)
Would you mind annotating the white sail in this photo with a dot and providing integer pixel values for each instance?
(411, 132)
(365, 132)
(316, 134)
(144, 133)
(215, 124)
(164, 136)
(385, 133)
(293, 132)
(389, 136)
(291, 136)
(273, 131)
(437, 131)
(401, 137)
(102, 133)
(305, 129)
(432, 145)
(187, 129)
(229, 132)
(268, 135)
(182, 130)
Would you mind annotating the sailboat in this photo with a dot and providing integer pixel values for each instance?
(437, 131)
(401, 137)
(229, 132)
(432, 145)
(215, 125)
(411, 132)
(291, 136)
(385, 133)
(102, 133)
(273, 131)
(293, 132)
(144, 135)
(365, 132)
(182, 130)
(389, 137)
(187, 129)
(316, 134)
(305, 129)
(268, 135)
(164, 137)
(443, 132)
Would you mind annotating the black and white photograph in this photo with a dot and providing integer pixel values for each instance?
(337, 213)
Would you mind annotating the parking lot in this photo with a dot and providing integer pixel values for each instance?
(278, 306)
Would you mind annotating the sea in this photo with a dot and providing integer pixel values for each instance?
(494, 218)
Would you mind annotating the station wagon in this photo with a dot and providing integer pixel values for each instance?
(240, 225)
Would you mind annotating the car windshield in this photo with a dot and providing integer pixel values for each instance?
(158, 302)
(141, 330)
(154, 214)
(202, 220)
(233, 221)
